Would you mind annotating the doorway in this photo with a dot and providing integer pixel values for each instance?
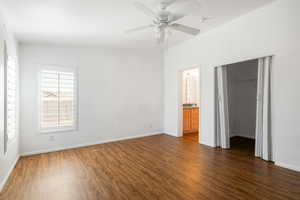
(190, 99)
(242, 92)
(243, 107)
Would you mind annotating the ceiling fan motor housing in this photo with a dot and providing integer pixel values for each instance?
(163, 21)
(163, 15)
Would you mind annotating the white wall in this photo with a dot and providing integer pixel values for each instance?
(120, 94)
(273, 29)
(8, 160)
(242, 92)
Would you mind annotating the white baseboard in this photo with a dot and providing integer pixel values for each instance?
(207, 144)
(170, 133)
(288, 166)
(2, 184)
(87, 144)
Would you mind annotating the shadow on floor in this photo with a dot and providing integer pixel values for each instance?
(239, 145)
(243, 145)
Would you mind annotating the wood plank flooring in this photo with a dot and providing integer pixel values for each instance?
(191, 137)
(155, 167)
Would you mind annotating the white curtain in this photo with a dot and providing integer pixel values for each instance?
(222, 118)
(263, 146)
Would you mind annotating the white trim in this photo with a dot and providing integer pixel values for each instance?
(240, 60)
(179, 100)
(88, 144)
(288, 166)
(207, 144)
(171, 134)
(55, 67)
(58, 130)
(179, 103)
(2, 184)
(5, 96)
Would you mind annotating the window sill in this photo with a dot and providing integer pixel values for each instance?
(56, 131)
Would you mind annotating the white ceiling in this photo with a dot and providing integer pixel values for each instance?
(95, 22)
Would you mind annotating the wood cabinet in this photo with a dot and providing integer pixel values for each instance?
(190, 120)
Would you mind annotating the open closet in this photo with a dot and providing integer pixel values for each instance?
(243, 107)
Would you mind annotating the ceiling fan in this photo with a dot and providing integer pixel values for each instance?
(163, 20)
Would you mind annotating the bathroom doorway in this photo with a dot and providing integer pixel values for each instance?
(190, 99)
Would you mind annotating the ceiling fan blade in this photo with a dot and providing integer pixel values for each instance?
(185, 29)
(144, 9)
(139, 28)
(182, 8)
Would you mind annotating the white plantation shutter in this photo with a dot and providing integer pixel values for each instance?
(58, 100)
(11, 82)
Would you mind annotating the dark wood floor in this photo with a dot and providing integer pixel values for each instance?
(242, 145)
(156, 167)
(193, 137)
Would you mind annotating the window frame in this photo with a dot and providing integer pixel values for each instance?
(75, 115)
(6, 59)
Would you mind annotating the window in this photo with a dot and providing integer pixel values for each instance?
(10, 82)
(11, 99)
(57, 101)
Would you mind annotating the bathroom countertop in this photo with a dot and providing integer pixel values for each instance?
(190, 107)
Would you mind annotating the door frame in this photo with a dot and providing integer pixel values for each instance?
(179, 100)
(271, 89)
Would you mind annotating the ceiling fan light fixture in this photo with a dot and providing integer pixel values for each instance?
(164, 20)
